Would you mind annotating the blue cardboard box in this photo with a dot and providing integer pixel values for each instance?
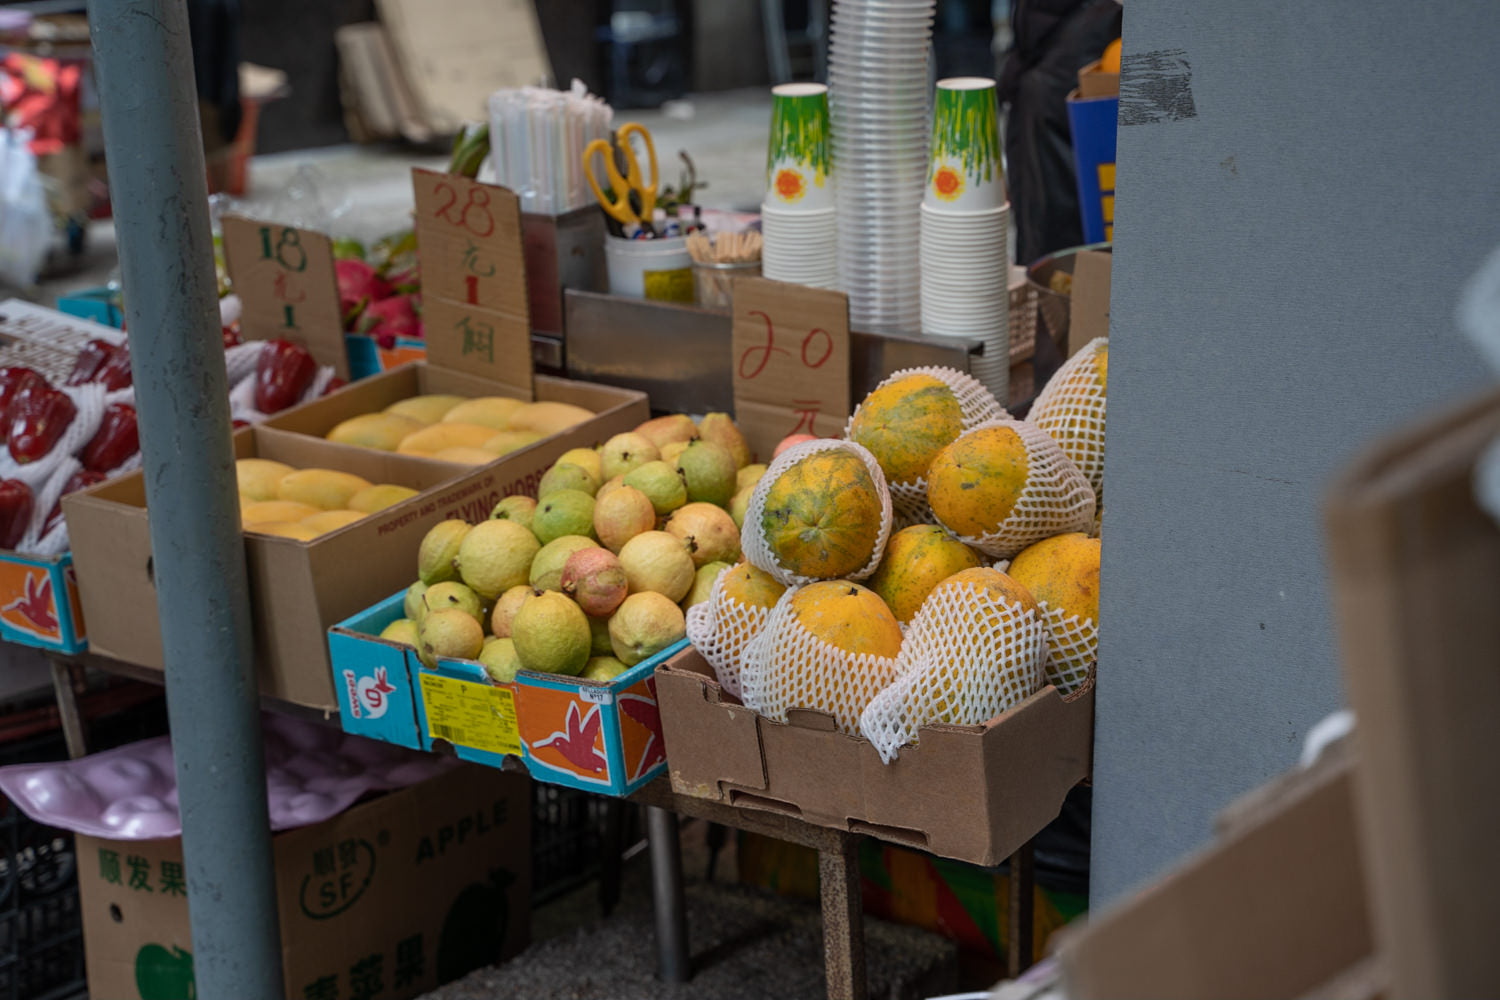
(599, 736)
(1092, 121)
(39, 602)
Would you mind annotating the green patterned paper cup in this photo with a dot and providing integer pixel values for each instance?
(965, 174)
(797, 163)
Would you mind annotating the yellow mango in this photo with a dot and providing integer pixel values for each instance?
(382, 431)
(379, 497)
(276, 510)
(508, 441)
(286, 529)
(462, 455)
(332, 520)
(433, 439)
(321, 488)
(486, 411)
(547, 417)
(258, 477)
(429, 409)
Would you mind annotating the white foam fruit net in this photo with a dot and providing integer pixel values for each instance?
(721, 628)
(1071, 410)
(1072, 648)
(968, 656)
(753, 540)
(787, 667)
(978, 406)
(1056, 498)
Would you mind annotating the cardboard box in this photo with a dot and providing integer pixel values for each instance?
(367, 357)
(615, 410)
(297, 589)
(39, 603)
(1275, 908)
(1416, 565)
(1094, 82)
(1090, 298)
(602, 737)
(388, 899)
(1010, 775)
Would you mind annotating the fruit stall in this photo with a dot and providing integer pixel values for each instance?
(814, 576)
(573, 490)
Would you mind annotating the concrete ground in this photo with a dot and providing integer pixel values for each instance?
(746, 944)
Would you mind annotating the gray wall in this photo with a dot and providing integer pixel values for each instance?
(1286, 264)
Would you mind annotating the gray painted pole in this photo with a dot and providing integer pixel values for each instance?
(144, 70)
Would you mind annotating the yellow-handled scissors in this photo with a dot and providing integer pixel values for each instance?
(621, 187)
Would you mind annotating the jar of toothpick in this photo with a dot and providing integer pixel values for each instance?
(718, 260)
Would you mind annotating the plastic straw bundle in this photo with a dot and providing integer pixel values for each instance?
(537, 139)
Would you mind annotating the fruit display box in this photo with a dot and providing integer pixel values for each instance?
(367, 357)
(39, 604)
(297, 588)
(599, 736)
(615, 410)
(391, 898)
(1011, 773)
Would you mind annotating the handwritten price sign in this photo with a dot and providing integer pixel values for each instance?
(284, 277)
(791, 361)
(475, 314)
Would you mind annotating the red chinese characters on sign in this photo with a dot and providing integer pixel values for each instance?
(790, 361)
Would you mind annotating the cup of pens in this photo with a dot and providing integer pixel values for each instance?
(717, 261)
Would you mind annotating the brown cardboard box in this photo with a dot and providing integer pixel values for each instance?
(1090, 305)
(1416, 569)
(1094, 82)
(1275, 908)
(388, 899)
(615, 409)
(1009, 776)
(299, 589)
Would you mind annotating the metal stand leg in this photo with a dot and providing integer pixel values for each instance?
(65, 676)
(666, 894)
(614, 846)
(1022, 903)
(843, 921)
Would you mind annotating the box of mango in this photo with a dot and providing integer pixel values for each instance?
(915, 623)
(329, 530)
(535, 633)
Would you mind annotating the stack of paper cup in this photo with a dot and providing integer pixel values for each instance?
(965, 260)
(877, 75)
(798, 219)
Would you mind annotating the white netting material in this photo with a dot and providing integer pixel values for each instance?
(1057, 498)
(1071, 410)
(969, 655)
(752, 538)
(1072, 648)
(978, 406)
(787, 667)
(720, 629)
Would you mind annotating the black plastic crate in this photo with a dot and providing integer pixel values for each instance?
(568, 833)
(41, 929)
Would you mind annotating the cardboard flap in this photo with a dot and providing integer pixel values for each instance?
(475, 315)
(285, 280)
(1090, 299)
(684, 687)
(790, 352)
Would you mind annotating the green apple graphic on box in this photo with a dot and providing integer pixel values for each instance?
(164, 975)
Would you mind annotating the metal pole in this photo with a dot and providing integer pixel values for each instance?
(674, 965)
(144, 71)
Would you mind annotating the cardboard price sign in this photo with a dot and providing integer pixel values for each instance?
(474, 310)
(790, 352)
(285, 280)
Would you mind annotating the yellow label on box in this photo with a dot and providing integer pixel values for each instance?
(478, 716)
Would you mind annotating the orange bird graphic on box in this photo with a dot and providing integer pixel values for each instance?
(35, 609)
(576, 743)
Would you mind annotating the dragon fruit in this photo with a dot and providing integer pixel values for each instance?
(359, 287)
(391, 318)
